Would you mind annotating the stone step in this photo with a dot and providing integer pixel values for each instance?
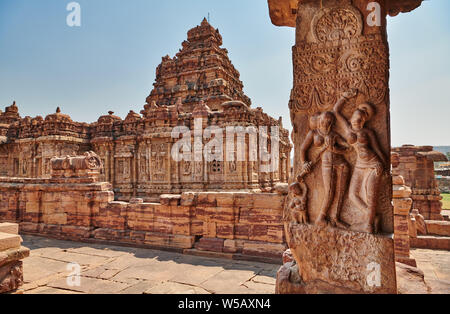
(7, 227)
(9, 241)
(440, 228)
(431, 242)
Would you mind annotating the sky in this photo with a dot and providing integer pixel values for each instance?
(109, 62)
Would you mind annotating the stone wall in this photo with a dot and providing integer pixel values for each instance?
(232, 223)
(416, 166)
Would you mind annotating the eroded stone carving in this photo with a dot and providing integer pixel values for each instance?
(337, 23)
(89, 161)
(298, 205)
(334, 166)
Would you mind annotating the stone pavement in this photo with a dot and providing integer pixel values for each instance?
(113, 269)
(436, 266)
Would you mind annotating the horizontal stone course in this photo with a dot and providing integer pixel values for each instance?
(86, 212)
(440, 228)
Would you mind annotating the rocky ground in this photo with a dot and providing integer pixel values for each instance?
(113, 269)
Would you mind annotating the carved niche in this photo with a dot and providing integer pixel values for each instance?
(159, 162)
(187, 168)
(143, 166)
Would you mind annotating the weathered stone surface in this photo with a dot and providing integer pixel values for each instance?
(401, 191)
(289, 280)
(288, 257)
(263, 249)
(440, 228)
(14, 254)
(90, 285)
(347, 259)
(229, 281)
(170, 200)
(11, 276)
(435, 264)
(210, 244)
(11, 254)
(11, 228)
(282, 188)
(417, 223)
(9, 241)
(411, 280)
(175, 288)
(431, 242)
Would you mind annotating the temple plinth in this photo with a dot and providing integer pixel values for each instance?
(339, 215)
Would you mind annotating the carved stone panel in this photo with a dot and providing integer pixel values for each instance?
(340, 196)
(339, 105)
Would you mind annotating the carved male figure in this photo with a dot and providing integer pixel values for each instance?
(335, 168)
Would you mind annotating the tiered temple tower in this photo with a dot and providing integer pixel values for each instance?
(201, 70)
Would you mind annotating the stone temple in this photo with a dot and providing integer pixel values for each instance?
(200, 82)
(349, 212)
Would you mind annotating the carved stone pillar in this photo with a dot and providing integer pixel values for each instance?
(339, 216)
(402, 207)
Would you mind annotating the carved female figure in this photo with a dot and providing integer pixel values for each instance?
(335, 168)
(370, 160)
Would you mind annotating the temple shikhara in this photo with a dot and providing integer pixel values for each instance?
(200, 82)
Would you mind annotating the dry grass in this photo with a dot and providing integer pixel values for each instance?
(446, 201)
